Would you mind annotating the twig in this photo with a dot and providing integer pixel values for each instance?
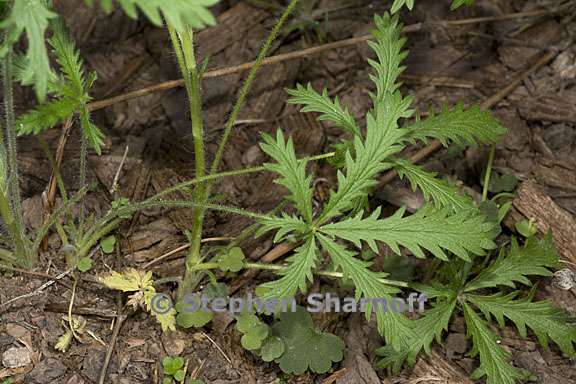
(296, 55)
(39, 289)
(120, 319)
(182, 248)
(117, 176)
(217, 347)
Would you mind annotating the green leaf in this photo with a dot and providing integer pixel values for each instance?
(400, 3)
(502, 183)
(232, 261)
(296, 276)
(536, 258)
(272, 348)
(188, 318)
(428, 328)
(253, 329)
(459, 126)
(494, 360)
(306, 348)
(33, 17)
(284, 224)
(172, 365)
(180, 375)
(84, 264)
(107, 245)
(292, 170)
(541, 317)
(45, 116)
(458, 3)
(321, 103)
(395, 327)
(526, 228)
(434, 230)
(177, 13)
(443, 194)
(167, 380)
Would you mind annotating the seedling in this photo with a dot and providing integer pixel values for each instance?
(173, 370)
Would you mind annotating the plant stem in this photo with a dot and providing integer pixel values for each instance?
(274, 267)
(83, 169)
(184, 46)
(11, 208)
(243, 93)
(488, 174)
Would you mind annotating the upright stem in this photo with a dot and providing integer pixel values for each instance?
(83, 168)
(184, 45)
(11, 209)
(488, 174)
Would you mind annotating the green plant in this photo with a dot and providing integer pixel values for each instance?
(173, 369)
(410, 4)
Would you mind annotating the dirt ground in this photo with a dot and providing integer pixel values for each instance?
(447, 62)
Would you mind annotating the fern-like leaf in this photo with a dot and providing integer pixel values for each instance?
(45, 116)
(536, 258)
(292, 170)
(329, 110)
(434, 230)
(394, 327)
(296, 276)
(177, 13)
(283, 224)
(494, 360)
(541, 317)
(32, 17)
(459, 125)
(443, 194)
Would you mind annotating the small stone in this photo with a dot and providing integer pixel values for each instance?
(16, 357)
(174, 343)
(564, 279)
(251, 155)
(456, 345)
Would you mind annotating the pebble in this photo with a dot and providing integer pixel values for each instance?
(16, 357)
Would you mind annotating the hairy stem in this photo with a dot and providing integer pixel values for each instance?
(11, 209)
(83, 171)
(184, 45)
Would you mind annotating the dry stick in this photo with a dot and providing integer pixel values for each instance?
(283, 248)
(120, 319)
(182, 248)
(51, 188)
(100, 104)
(37, 291)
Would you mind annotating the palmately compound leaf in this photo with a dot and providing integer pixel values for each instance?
(292, 170)
(428, 328)
(130, 280)
(33, 17)
(536, 258)
(177, 13)
(494, 360)
(329, 110)
(541, 317)
(395, 327)
(305, 347)
(459, 126)
(296, 276)
(461, 233)
(443, 194)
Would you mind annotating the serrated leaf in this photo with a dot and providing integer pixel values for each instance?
(458, 125)
(443, 194)
(305, 348)
(232, 260)
(536, 258)
(458, 3)
(107, 244)
(129, 281)
(395, 327)
(461, 233)
(494, 360)
(32, 17)
(284, 224)
(177, 13)
(329, 110)
(541, 317)
(296, 276)
(428, 328)
(292, 170)
(64, 341)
